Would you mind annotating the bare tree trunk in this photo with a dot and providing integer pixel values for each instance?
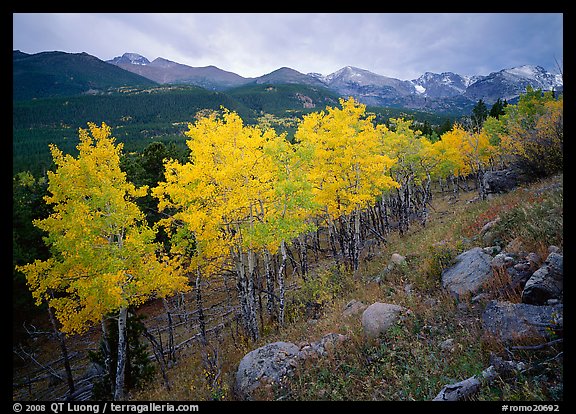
(281, 292)
(332, 239)
(158, 353)
(254, 332)
(302, 241)
(122, 347)
(357, 240)
(171, 350)
(270, 305)
(201, 318)
(64, 350)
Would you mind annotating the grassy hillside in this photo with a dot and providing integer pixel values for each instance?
(440, 342)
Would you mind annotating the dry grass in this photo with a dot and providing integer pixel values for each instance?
(440, 341)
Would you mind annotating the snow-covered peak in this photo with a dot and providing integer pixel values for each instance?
(436, 85)
(536, 75)
(130, 58)
(526, 71)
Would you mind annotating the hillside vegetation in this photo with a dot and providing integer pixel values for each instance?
(140, 115)
(251, 236)
(440, 342)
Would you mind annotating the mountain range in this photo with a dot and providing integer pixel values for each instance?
(434, 92)
(429, 91)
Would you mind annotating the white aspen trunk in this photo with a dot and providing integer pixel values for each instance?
(253, 320)
(171, 350)
(122, 348)
(281, 292)
(270, 302)
(356, 259)
(241, 284)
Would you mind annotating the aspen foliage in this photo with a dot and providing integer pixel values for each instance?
(103, 254)
(350, 168)
(533, 132)
(240, 195)
(222, 191)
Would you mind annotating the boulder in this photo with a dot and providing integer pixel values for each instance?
(517, 322)
(503, 181)
(264, 366)
(398, 259)
(471, 270)
(379, 317)
(271, 364)
(545, 283)
(353, 307)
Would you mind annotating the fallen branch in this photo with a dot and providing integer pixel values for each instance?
(465, 389)
(537, 347)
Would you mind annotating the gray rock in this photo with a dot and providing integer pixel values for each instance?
(518, 277)
(398, 259)
(502, 260)
(265, 365)
(489, 225)
(353, 307)
(516, 322)
(379, 317)
(471, 270)
(546, 282)
(447, 345)
(323, 347)
(492, 250)
(553, 249)
(271, 364)
(504, 180)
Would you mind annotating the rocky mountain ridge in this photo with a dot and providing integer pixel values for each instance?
(446, 92)
(430, 91)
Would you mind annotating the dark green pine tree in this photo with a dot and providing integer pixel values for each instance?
(139, 368)
(479, 115)
(498, 108)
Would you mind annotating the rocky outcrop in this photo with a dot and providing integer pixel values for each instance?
(379, 317)
(471, 270)
(545, 283)
(273, 363)
(503, 180)
(517, 322)
(265, 366)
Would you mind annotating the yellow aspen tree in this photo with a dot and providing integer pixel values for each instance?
(451, 162)
(349, 170)
(404, 145)
(533, 137)
(478, 153)
(104, 258)
(218, 196)
(286, 214)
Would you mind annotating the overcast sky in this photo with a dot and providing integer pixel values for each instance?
(398, 45)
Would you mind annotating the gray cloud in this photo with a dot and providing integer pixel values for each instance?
(401, 45)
